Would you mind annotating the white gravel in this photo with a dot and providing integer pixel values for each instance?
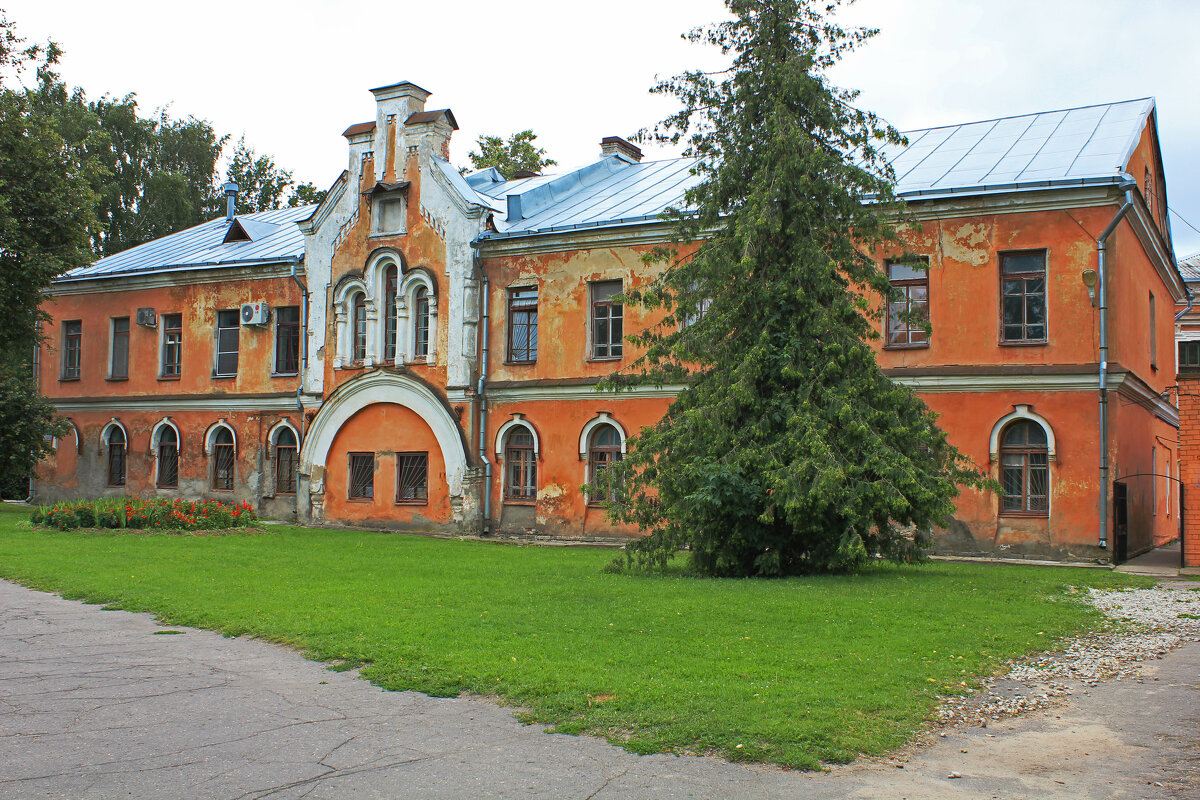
(1144, 624)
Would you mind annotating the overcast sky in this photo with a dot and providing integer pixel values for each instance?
(292, 75)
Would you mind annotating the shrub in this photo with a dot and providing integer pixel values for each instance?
(155, 514)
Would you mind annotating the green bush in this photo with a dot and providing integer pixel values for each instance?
(156, 514)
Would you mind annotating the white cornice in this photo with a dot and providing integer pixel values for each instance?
(577, 239)
(1015, 202)
(532, 394)
(198, 403)
(177, 277)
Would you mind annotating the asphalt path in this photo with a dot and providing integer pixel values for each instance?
(104, 704)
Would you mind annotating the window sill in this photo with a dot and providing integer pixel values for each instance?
(69, 380)
(606, 358)
(223, 491)
(284, 374)
(520, 363)
(169, 377)
(519, 501)
(282, 494)
(1026, 514)
(921, 346)
(167, 488)
(116, 379)
(1041, 343)
(385, 234)
(224, 377)
(411, 503)
(364, 500)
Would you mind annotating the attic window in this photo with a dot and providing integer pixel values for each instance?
(236, 233)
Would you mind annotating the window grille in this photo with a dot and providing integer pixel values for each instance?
(412, 478)
(422, 322)
(116, 456)
(1025, 470)
(223, 461)
(522, 325)
(286, 462)
(362, 476)
(389, 314)
(168, 459)
(520, 466)
(360, 327)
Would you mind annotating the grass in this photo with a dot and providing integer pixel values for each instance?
(798, 671)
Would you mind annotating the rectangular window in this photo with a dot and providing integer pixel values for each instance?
(1189, 355)
(172, 346)
(287, 340)
(607, 320)
(228, 331)
(412, 478)
(362, 476)
(522, 325)
(908, 310)
(1023, 297)
(118, 364)
(72, 338)
(1153, 336)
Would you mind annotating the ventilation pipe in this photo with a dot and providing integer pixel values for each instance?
(1101, 246)
(231, 190)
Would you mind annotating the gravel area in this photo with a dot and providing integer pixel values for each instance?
(1144, 624)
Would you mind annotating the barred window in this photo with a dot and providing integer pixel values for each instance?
(168, 459)
(389, 314)
(520, 466)
(286, 461)
(522, 325)
(1025, 470)
(412, 478)
(421, 324)
(362, 476)
(116, 456)
(360, 327)
(223, 460)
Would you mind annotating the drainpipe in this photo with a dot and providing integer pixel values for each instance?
(1101, 247)
(1180, 315)
(303, 369)
(483, 368)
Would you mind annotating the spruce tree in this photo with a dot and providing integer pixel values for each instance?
(789, 451)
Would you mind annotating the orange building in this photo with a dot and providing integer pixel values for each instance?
(456, 328)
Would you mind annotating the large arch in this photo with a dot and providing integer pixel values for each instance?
(386, 387)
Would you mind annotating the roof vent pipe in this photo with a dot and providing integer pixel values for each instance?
(230, 189)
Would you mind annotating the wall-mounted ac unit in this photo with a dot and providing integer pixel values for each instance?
(255, 313)
(147, 317)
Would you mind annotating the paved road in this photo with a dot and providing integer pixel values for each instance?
(94, 704)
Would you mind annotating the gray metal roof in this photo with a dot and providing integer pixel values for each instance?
(1189, 267)
(1071, 147)
(274, 238)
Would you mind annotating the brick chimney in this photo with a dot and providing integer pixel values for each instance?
(618, 147)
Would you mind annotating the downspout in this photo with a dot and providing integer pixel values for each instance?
(480, 393)
(1180, 315)
(1128, 185)
(303, 371)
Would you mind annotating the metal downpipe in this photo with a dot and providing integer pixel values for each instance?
(1101, 248)
(480, 393)
(303, 367)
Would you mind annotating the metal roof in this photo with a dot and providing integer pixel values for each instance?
(1071, 147)
(274, 238)
(1189, 267)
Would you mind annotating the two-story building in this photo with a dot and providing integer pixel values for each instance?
(457, 325)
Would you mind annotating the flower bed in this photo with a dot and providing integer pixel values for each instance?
(156, 514)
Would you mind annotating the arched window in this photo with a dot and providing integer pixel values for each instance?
(1025, 470)
(168, 458)
(520, 465)
(223, 460)
(359, 321)
(421, 322)
(389, 314)
(604, 449)
(116, 456)
(286, 461)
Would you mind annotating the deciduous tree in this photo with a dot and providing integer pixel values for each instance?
(789, 450)
(509, 157)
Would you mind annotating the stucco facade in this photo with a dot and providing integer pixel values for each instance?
(455, 328)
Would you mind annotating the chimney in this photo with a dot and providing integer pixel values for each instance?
(618, 147)
(230, 189)
(399, 101)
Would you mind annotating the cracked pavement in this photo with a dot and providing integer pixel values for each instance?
(94, 704)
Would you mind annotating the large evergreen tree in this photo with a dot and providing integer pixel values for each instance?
(789, 451)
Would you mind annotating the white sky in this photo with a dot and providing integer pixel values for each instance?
(292, 75)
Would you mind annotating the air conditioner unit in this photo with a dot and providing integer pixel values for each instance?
(255, 313)
(146, 316)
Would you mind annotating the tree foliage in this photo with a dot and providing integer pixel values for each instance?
(789, 450)
(510, 157)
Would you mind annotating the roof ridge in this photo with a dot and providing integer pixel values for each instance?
(1029, 114)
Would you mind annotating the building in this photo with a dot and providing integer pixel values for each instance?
(456, 327)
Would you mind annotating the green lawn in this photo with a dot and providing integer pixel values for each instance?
(793, 671)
